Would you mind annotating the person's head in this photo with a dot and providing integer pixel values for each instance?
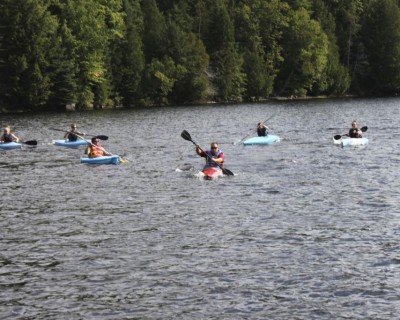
(214, 147)
(354, 124)
(95, 140)
(7, 130)
(73, 126)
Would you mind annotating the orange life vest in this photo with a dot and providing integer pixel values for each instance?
(95, 151)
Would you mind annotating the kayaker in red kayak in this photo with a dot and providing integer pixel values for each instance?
(7, 136)
(71, 135)
(214, 156)
(355, 132)
(95, 150)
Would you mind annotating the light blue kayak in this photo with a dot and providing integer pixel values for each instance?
(10, 145)
(114, 159)
(70, 144)
(268, 139)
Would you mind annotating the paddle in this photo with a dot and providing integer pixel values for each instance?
(101, 137)
(30, 142)
(92, 144)
(338, 136)
(185, 135)
(253, 130)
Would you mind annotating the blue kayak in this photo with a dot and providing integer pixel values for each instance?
(268, 139)
(70, 144)
(114, 159)
(10, 145)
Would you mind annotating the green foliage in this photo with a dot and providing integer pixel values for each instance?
(54, 52)
(381, 39)
(305, 55)
(29, 47)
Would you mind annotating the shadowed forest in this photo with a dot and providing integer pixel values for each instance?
(106, 53)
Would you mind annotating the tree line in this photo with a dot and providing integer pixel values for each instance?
(96, 53)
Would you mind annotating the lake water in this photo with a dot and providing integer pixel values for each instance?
(304, 230)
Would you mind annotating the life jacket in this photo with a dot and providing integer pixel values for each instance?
(353, 133)
(261, 132)
(210, 163)
(7, 138)
(95, 151)
(72, 137)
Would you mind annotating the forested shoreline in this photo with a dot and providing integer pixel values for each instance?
(105, 53)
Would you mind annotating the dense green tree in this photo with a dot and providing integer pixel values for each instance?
(128, 60)
(188, 52)
(381, 39)
(133, 52)
(336, 79)
(94, 25)
(305, 55)
(28, 50)
(225, 60)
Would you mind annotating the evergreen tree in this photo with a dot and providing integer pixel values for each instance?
(381, 38)
(305, 55)
(225, 60)
(28, 50)
(128, 57)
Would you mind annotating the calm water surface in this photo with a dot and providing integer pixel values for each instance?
(304, 230)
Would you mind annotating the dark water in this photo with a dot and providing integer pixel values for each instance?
(304, 230)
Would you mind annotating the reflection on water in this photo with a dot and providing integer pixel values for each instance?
(304, 230)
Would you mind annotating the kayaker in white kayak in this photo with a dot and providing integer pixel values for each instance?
(214, 156)
(262, 129)
(95, 150)
(71, 134)
(7, 136)
(355, 132)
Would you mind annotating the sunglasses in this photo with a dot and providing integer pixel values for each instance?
(214, 147)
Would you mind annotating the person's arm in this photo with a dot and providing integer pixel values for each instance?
(14, 137)
(219, 160)
(87, 150)
(200, 152)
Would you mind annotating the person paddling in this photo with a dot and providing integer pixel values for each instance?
(262, 129)
(71, 135)
(214, 156)
(7, 136)
(355, 132)
(95, 150)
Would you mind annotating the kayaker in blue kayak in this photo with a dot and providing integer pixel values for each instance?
(262, 129)
(71, 134)
(95, 150)
(7, 136)
(355, 132)
(214, 156)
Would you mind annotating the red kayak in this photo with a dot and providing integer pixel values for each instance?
(212, 173)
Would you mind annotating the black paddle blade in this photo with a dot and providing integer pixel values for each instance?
(30, 142)
(227, 172)
(337, 137)
(363, 129)
(101, 137)
(185, 135)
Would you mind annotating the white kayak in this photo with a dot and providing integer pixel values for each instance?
(351, 142)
